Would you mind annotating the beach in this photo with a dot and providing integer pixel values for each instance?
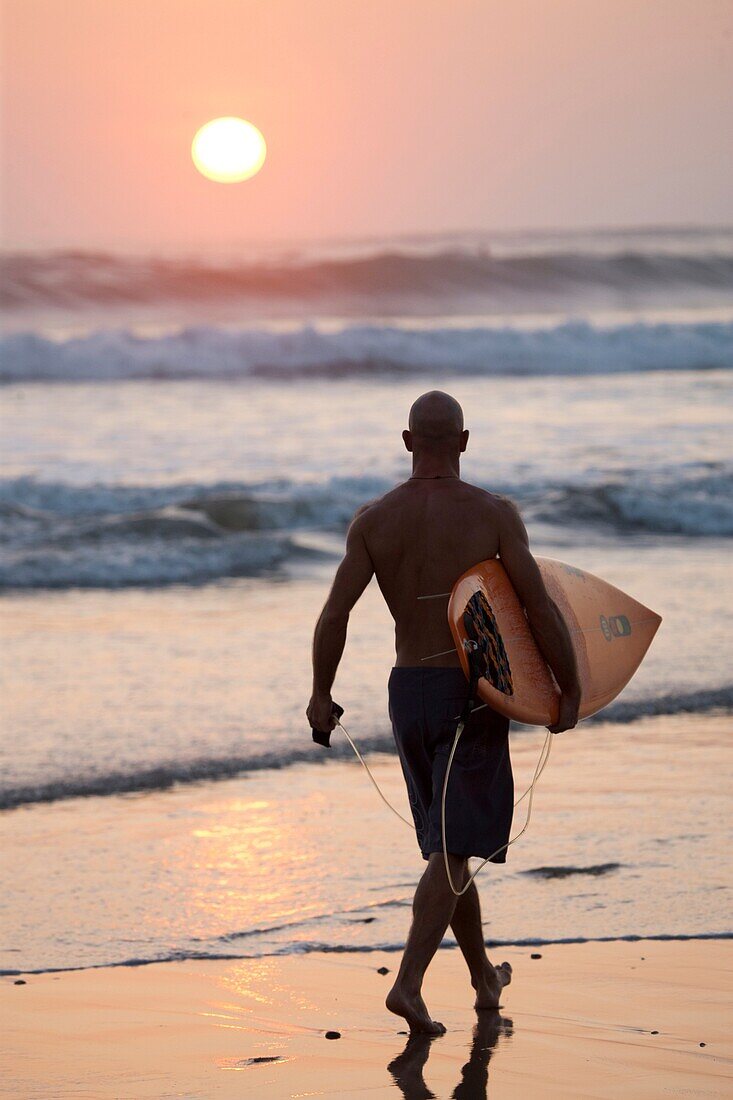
(643, 1019)
(629, 837)
(308, 313)
(189, 884)
(317, 878)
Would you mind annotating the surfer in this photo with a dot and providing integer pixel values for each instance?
(418, 539)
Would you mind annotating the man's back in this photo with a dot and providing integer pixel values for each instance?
(418, 539)
(421, 537)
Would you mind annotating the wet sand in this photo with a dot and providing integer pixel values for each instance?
(643, 1019)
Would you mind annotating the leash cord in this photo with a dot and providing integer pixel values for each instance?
(378, 788)
(541, 763)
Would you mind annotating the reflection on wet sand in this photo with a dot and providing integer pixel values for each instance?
(407, 1068)
(258, 1028)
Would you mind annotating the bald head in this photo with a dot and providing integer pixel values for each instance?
(436, 416)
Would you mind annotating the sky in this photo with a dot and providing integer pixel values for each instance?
(381, 117)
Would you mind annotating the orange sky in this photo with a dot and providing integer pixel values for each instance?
(381, 116)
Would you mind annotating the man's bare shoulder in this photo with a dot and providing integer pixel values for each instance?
(502, 508)
(500, 504)
(501, 512)
(372, 509)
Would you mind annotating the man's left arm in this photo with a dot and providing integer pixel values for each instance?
(352, 577)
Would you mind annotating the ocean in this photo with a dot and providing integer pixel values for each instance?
(185, 438)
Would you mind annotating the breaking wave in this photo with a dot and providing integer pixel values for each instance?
(382, 279)
(695, 502)
(211, 352)
(55, 535)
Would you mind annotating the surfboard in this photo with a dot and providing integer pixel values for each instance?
(610, 632)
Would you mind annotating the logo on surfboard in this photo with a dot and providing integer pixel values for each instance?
(616, 626)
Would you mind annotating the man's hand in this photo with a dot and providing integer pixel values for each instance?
(320, 713)
(568, 713)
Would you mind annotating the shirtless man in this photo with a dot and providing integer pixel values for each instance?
(418, 539)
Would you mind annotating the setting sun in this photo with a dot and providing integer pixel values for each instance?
(228, 150)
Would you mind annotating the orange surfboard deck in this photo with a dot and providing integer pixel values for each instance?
(610, 632)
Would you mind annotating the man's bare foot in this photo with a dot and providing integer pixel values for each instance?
(489, 988)
(412, 1007)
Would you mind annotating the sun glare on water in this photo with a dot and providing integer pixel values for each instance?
(228, 150)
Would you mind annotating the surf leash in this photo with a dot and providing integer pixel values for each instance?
(476, 671)
(541, 762)
(323, 737)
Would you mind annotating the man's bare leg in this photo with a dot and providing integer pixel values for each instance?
(487, 980)
(432, 912)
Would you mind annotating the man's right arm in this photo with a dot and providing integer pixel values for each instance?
(547, 624)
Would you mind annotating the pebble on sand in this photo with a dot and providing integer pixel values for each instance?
(20, 981)
(383, 970)
(333, 1034)
(535, 955)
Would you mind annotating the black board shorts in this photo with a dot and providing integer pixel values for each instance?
(424, 704)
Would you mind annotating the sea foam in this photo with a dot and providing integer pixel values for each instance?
(370, 350)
